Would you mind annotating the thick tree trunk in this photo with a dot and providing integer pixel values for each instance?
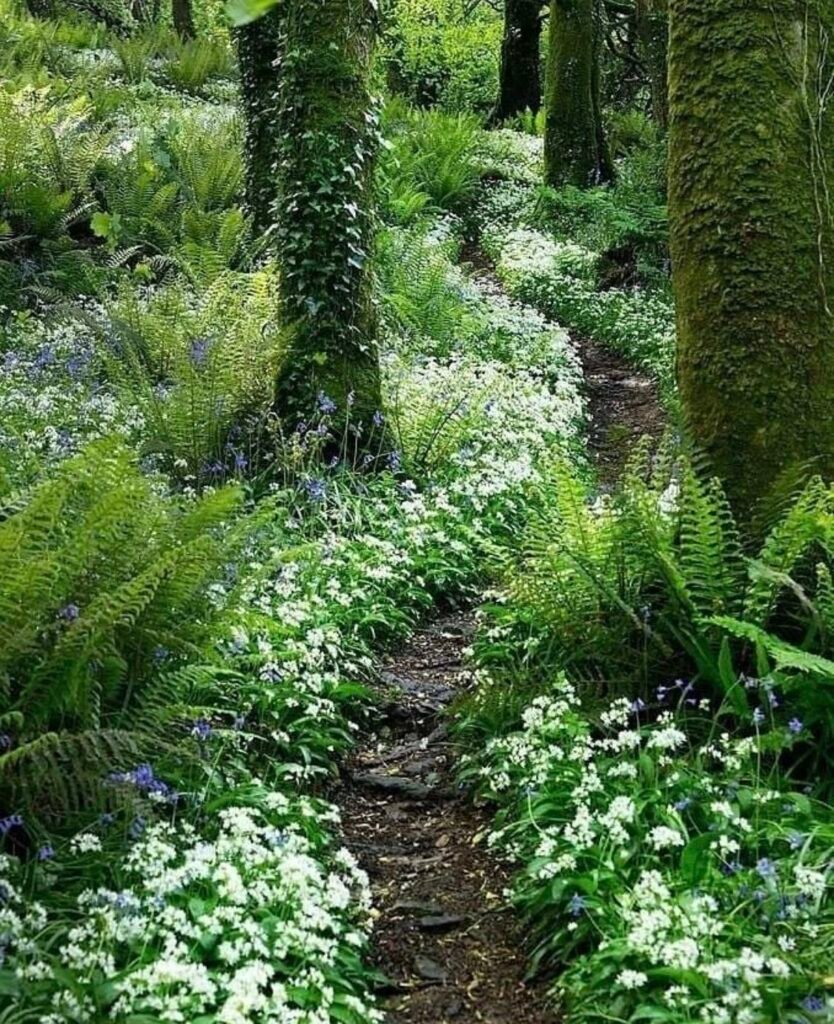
(257, 47)
(327, 137)
(183, 18)
(519, 86)
(653, 32)
(751, 186)
(574, 147)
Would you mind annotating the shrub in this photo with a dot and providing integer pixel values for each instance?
(104, 596)
(200, 371)
(193, 63)
(430, 164)
(444, 54)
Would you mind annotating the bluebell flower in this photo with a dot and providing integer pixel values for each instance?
(795, 726)
(137, 827)
(637, 706)
(44, 358)
(394, 460)
(813, 1004)
(325, 405)
(378, 418)
(70, 612)
(351, 398)
(106, 819)
(46, 852)
(765, 868)
(683, 803)
(239, 722)
(9, 822)
(272, 674)
(160, 654)
(795, 840)
(730, 867)
(758, 716)
(577, 905)
(199, 350)
(201, 730)
(5, 741)
(241, 462)
(316, 489)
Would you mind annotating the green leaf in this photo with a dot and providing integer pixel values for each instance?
(784, 655)
(242, 12)
(102, 224)
(694, 862)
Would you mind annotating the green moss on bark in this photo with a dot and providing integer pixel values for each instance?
(257, 46)
(751, 144)
(519, 83)
(327, 128)
(574, 146)
(653, 34)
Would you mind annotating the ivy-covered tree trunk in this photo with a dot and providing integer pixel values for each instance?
(519, 86)
(575, 152)
(752, 232)
(257, 48)
(183, 18)
(653, 32)
(326, 141)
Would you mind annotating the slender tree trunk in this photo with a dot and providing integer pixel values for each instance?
(327, 137)
(257, 47)
(653, 32)
(519, 86)
(752, 231)
(574, 148)
(183, 18)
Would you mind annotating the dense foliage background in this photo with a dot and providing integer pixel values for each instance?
(290, 352)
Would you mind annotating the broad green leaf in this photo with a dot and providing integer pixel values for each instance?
(242, 12)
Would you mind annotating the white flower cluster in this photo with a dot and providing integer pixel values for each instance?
(637, 816)
(247, 927)
(559, 277)
(51, 400)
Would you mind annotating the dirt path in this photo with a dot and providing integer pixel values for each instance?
(445, 941)
(623, 403)
(447, 944)
(623, 406)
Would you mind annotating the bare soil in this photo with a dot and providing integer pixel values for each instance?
(449, 948)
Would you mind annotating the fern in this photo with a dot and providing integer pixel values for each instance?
(98, 572)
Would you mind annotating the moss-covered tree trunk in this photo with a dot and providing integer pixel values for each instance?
(751, 191)
(653, 33)
(326, 141)
(257, 47)
(183, 18)
(575, 152)
(519, 84)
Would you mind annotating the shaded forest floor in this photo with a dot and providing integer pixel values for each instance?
(445, 941)
(448, 947)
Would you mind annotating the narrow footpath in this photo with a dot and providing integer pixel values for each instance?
(445, 940)
(447, 945)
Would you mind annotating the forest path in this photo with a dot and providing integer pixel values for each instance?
(623, 402)
(444, 939)
(450, 949)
